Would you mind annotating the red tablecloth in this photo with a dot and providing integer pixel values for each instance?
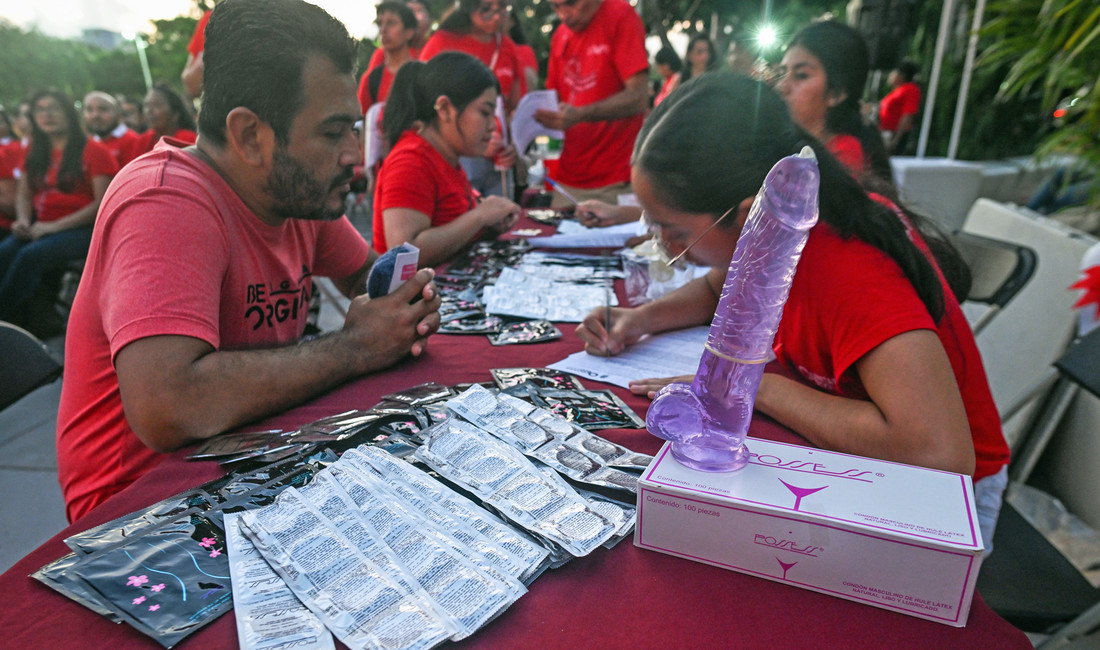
(618, 598)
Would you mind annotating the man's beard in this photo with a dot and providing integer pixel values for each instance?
(297, 194)
(103, 133)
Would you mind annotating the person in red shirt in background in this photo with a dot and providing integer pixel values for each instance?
(101, 119)
(821, 78)
(525, 54)
(898, 110)
(64, 178)
(668, 68)
(10, 158)
(474, 27)
(131, 113)
(396, 29)
(422, 195)
(600, 69)
(423, 15)
(168, 117)
(192, 70)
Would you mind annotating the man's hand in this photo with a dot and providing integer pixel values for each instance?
(386, 329)
(562, 119)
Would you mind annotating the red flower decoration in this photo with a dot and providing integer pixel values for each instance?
(1090, 284)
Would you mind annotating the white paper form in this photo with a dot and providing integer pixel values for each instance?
(573, 235)
(524, 127)
(521, 294)
(669, 354)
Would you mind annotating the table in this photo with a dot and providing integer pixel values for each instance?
(623, 597)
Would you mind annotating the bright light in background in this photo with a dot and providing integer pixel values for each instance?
(767, 37)
(68, 18)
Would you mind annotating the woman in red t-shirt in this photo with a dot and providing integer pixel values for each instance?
(167, 116)
(10, 158)
(437, 111)
(823, 74)
(879, 358)
(64, 178)
(474, 28)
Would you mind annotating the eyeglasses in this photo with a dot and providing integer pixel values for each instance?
(655, 228)
(52, 109)
(490, 10)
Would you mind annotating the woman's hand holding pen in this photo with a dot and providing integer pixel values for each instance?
(597, 214)
(607, 332)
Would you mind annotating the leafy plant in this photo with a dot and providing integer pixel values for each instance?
(1054, 47)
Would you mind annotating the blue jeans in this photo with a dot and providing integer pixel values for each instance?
(988, 497)
(23, 262)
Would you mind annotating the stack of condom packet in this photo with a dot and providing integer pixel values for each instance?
(593, 410)
(421, 394)
(503, 478)
(166, 582)
(539, 377)
(512, 332)
(542, 436)
(238, 445)
(464, 585)
(451, 507)
(268, 614)
(130, 525)
(361, 603)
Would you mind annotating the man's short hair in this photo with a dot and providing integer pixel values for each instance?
(908, 70)
(408, 18)
(254, 55)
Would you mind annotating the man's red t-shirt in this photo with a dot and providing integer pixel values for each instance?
(849, 297)
(176, 252)
(379, 55)
(416, 176)
(901, 101)
(587, 67)
(499, 56)
(50, 203)
(366, 100)
(123, 143)
(148, 140)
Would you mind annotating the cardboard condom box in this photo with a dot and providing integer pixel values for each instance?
(894, 536)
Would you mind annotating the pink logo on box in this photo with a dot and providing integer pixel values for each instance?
(809, 467)
(786, 567)
(799, 492)
(408, 271)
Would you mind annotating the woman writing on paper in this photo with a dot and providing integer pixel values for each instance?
(437, 111)
(880, 360)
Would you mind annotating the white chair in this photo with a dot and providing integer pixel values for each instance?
(1020, 345)
(942, 190)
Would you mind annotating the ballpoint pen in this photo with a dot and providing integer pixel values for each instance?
(562, 191)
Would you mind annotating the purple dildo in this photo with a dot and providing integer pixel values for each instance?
(707, 420)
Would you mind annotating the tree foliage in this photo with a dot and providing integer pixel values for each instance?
(1051, 49)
